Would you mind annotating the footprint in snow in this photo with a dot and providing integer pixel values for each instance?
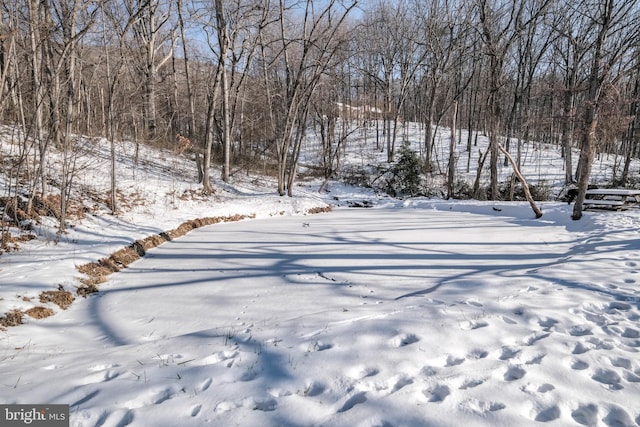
(315, 346)
(350, 401)
(85, 399)
(477, 354)
(471, 383)
(195, 410)
(537, 388)
(438, 393)
(534, 337)
(313, 388)
(508, 352)
(536, 359)
(473, 302)
(580, 330)
(578, 365)
(360, 372)
(618, 417)
(514, 373)
(620, 362)
(403, 340)
(398, 382)
(580, 348)
(548, 414)
(607, 377)
(204, 385)
(508, 320)
(546, 323)
(453, 360)
(619, 305)
(481, 407)
(631, 377)
(125, 417)
(587, 415)
(630, 333)
(469, 325)
(265, 404)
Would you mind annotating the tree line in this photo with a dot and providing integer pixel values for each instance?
(236, 83)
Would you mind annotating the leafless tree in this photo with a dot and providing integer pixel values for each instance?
(613, 27)
(154, 31)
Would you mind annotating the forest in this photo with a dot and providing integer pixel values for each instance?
(234, 84)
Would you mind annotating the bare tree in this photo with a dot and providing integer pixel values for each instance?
(501, 23)
(157, 42)
(615, 26)
(305, 52)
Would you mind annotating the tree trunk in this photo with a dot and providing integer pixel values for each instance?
(525, 186)
(452, 154)
(590, 124)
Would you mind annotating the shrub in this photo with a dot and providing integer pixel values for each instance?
(406, 174)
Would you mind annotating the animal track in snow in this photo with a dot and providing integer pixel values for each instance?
(534, 337)
(228, 357)
(536, 359)
(619, 305)
(579, 365)
(313, 388)
(125, 417)
(514, 373)
(319, 346)
(361, 371)
(477, 354)
(471, 383)
(481, 407)
(195, 410)
(548, 414)
(580, 330)
(537, 389)
(437, 393)
(403, 340)
(631, 377)
(546, 323)
(469, 325)
(225, 406)
(618, 417)
(508, 320)
(607, 377)
(351, 401)
(398, 382)
(621, 362)
(580, 348)
(508, 352)
(586, 414)
(453, 360)
(265, 404)
(204, 385)
(100, 377)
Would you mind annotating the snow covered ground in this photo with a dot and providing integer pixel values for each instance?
(411, 313)
(433, 313)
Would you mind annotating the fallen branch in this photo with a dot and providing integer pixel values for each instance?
(525, 186)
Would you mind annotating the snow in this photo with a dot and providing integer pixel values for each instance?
(415, 312)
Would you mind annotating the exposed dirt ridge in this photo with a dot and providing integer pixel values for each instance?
(98, 272)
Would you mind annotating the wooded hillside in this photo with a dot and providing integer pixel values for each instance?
(241, 81)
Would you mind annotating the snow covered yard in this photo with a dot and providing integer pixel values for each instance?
(429, 313)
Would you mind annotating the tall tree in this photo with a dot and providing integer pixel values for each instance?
(154, 33)
(615, 25)
(502, 23)
(306, 50)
